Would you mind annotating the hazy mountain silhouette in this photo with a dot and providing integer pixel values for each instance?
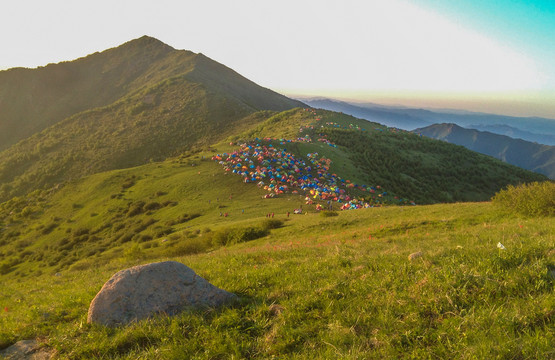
(533, 129)
(525, 154)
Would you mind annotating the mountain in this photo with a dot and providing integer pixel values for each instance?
(34, 99)
(177, 102)
(525, 154)
(142, 101)
(533, 129)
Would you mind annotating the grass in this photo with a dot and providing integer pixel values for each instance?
(339, 287)
(324, 285)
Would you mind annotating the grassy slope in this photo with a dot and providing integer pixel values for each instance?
(54, 230)
(405, 164)
(34, 99)
(327, 288)
(316, 287)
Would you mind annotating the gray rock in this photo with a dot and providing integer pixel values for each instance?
(25, 349)
(159, 288)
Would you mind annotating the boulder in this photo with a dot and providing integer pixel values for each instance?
(159, 288)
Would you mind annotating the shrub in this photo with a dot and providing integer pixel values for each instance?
(270, 224)
(48, 228)
(163, 231)
(190, 246)
(534, 199)
(144, 237)
(125, 238)
(152, 206)
(188, 217)
(327, 213)
(136, 209)
(80, 232)
(229, 236)
(5, 268)
(133, 252)
(169, 203)
(128, 183)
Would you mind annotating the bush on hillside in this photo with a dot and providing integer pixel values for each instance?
(136, 209)
(190, 246)
(229, 236)
(270, 224)
(534, 199)
(327, 213)
(152, 206)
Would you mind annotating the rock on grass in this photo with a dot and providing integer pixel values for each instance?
(140, 292)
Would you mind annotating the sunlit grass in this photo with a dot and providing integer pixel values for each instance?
(337, 287)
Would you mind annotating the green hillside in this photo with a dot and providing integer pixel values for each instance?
(402, 163)
(317, 285)
(176, 101)
(34, 99)
(52, 230)
(525, 154)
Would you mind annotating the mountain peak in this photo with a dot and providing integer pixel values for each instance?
(146, 41)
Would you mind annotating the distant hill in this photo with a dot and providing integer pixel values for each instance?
(525, 154)
(123, 107)
(533, 129)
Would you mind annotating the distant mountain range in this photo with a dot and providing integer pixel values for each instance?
(525, 154)
(533, 129)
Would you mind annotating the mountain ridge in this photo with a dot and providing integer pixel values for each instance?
(535, 129)
(531, 156)
(159, 108)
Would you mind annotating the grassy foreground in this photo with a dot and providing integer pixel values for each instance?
(329, 287)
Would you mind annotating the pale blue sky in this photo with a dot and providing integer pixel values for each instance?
(496, 56)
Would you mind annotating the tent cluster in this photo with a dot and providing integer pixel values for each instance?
(278, 172)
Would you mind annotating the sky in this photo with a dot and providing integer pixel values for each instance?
(482, 55)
